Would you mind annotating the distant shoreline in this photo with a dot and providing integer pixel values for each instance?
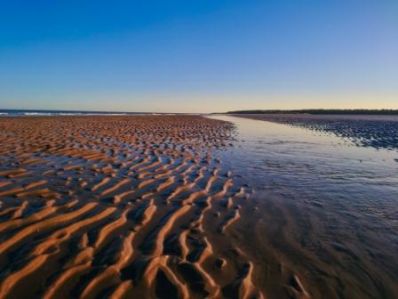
(320, 111)
(43, 112)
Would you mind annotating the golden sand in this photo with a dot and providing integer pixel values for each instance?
(119, 207)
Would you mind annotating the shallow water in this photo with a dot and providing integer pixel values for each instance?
(377, 131)
(295, 157)
(326, 206)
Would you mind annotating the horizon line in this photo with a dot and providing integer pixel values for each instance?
(244, 111)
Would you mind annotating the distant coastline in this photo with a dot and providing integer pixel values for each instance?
(321, 111)
(44, 112)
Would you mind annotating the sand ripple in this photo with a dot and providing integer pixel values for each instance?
(119, 207)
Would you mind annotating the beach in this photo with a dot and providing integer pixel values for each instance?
(119, 207)
(183, 206)
(198, 150)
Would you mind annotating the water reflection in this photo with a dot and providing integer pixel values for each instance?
(297, 157)
(377, 131)
(325, 205)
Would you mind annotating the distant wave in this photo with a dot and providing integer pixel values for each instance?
(36, 113)
(6, 112)
(61, 113)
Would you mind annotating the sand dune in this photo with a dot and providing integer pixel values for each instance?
(119, 207)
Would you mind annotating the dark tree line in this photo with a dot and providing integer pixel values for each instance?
(320, 111)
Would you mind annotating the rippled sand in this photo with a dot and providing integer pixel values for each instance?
(147, 207)
(121, 207)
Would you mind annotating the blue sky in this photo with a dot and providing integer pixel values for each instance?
(198, 56)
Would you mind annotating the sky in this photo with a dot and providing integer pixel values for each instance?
(198, 55)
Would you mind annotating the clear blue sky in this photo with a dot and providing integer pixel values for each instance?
(198, 56)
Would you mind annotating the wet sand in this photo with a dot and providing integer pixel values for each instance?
(324, 211)
(377, 131)
(181, 207)
(121, 207)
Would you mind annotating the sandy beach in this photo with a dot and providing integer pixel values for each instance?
(198, 150)
(179, 206)
(119, 207)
